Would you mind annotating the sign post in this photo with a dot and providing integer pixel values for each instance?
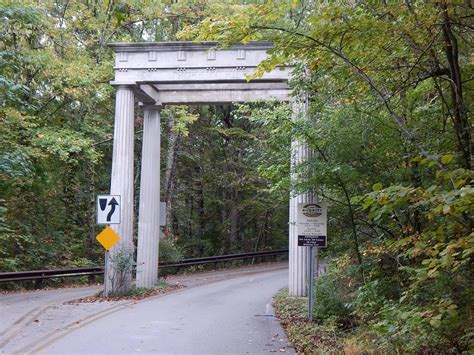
(312, 233)
(106, 270)
(108, 212)
(310, 282)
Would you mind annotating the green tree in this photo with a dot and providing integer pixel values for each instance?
(390, 87)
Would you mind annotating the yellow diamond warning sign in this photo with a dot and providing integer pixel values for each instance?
(107, 238)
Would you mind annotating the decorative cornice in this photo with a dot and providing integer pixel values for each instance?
(185, 46)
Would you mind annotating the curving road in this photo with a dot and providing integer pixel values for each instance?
(229, 315)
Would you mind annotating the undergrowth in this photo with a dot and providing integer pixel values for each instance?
(307, 337)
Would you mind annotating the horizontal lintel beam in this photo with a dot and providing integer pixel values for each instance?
(215, 95)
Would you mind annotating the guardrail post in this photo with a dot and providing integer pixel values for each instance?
(37, 284)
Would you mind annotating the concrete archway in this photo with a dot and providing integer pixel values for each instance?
(158, 74)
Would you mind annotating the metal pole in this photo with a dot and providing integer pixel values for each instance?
(315, 256)
(107, 289)
(317, 261)
(310, 283)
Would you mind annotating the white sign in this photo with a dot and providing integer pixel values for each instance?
(312, 219)
(108, 209)
(162, 214)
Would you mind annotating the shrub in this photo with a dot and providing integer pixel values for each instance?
(333, 293)
(418, 295)
(169, 252)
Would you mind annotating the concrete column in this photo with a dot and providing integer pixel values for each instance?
(119, 259)
(149, 210)
(298, 256)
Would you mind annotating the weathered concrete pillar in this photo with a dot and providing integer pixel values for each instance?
(119, 261)
(149, 210)
(298, 256)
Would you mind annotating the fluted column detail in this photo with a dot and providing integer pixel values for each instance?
(298, 256)
(120, 258)
(149, 210)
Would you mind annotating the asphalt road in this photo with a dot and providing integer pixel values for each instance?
(223, 312)
(17, 306)
(226, 317)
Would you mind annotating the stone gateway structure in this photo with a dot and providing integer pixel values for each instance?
(153, 75)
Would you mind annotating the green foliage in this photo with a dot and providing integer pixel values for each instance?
(169, 252)
(6, 263)
(391, 136)
(391, 93)
(225, 203)
(56, 105)
(413, 328)
(433, 267)
(332, 296)
(182, 117)
(65, 145)
(442, 239)
(122, 262)
(15, 164)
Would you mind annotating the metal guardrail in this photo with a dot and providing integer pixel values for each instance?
(96, 270)
(47, 274)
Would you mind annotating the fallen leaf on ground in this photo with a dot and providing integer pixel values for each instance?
(145, 294)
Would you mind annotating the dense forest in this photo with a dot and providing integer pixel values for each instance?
(390, 86)
(57, 117)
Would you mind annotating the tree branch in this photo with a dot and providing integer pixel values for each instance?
(358, 72)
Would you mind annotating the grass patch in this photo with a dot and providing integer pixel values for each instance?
(134, 294)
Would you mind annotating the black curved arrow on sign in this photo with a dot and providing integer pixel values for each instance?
(113, 202)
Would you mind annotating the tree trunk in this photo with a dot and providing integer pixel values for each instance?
(170, 172)
(461, 122)
(201, 214)
(266, 228)
(234, 218)
(89, 242)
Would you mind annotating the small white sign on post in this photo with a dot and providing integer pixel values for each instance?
(312, 232)
(108, 209)
(312, 224)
